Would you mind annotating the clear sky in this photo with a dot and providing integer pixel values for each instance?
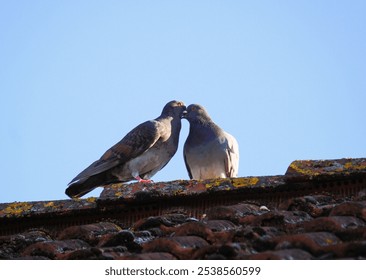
(286, 78)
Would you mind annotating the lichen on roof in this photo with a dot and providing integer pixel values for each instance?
(330, 167)
(31, 208)
(16, 209)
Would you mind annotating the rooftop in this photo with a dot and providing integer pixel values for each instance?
(317, 210)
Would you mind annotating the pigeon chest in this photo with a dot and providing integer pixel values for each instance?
(207, 161)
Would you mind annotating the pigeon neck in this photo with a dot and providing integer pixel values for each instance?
(164, 118)
(176, 125)
(174, 122)
(203, 129)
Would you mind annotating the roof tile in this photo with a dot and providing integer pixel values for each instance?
(220, 225)
(115, 252)
(148, 256)
(257, 238)
(333, 224)
(330, 167)
(354, 250)
(123, 238)
(315, 206)
(314, 242)
(91, 253)
(350, 208)
(10, 246)
(90, 233)
(54, 249)
(284, 220)
(180, 246)
(232, 212)
(155, 221)
(194, 228)
(220, 251)
(287, 254)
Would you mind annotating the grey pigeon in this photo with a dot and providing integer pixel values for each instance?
(209, 151)
(138, 156)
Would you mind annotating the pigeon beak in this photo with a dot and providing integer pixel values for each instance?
(184, 113)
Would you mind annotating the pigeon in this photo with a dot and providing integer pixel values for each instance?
(138, 156)
(209, 151)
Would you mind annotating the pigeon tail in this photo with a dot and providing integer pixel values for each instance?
(80, 187)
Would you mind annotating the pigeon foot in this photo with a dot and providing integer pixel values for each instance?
(140, 180)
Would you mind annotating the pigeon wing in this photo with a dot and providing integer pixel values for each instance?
(232, 158)
(136, 142)
(187, 165)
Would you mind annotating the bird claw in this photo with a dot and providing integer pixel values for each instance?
(145, 181)
(140, 180)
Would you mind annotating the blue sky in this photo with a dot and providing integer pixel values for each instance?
(286, 78)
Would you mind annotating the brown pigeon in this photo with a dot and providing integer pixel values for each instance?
(138, 156)
(209, 151)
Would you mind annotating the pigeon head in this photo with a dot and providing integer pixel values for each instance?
(174, 109)
(196, 114)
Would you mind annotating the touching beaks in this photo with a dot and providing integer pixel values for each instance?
(184, 113)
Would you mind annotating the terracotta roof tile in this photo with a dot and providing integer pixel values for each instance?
(123, 238)
(232, 212)
(156, 221)
(350, 208)
(193, 228)
(221, 251)
(90, 233)
(330, 167)
(287, 254)
(10, 246)
(315, 206)
(283, 220)
(257, 239)
(54, 249)
(180, 246)
(220, 225)
(353, 250)
(82, 254)
(334, 224)
(114, 252)
(314, 242)
(148, 256)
